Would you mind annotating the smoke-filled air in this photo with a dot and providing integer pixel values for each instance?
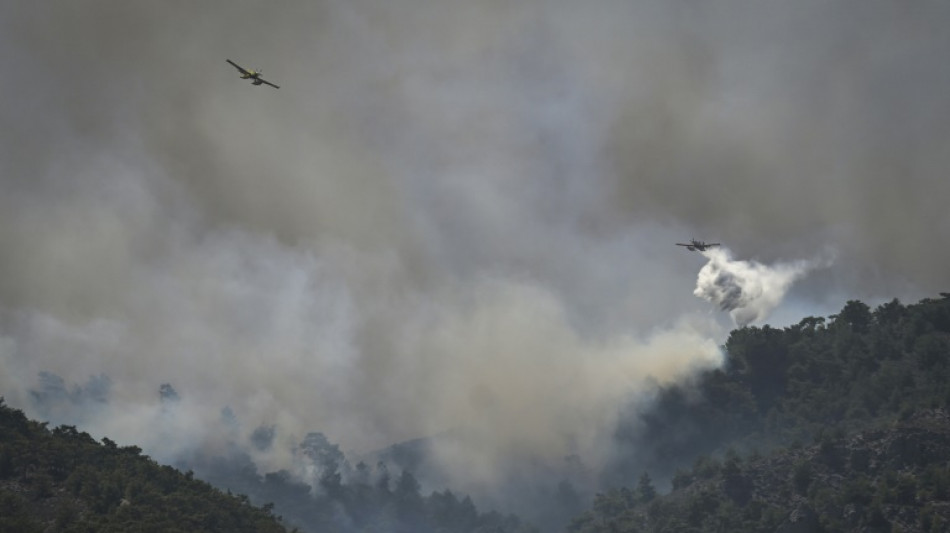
(454, 220)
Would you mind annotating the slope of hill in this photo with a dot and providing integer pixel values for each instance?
(342, 498)
(62, 480)
(893, 479)
(869, 389)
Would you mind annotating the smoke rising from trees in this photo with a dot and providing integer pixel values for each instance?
(451, 214)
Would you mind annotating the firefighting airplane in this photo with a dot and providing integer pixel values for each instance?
(695, 245)
(252, 75)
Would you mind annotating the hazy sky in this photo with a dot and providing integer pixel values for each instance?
(451, 213)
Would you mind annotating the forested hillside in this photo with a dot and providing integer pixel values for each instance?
(837, 424)
(827, 425)
(62, 480)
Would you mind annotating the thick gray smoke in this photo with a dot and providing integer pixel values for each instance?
(453, 214)
(748, 290)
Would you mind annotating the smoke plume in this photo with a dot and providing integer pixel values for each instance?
(748, 290)
(453, 213)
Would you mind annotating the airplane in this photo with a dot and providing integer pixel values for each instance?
(252, 75)
(695, 245)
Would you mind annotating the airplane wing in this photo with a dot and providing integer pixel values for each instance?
(713, 244)
(269, 83)
(681, 244)
(235, 65)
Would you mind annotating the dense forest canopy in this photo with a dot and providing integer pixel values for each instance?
(62, 480)
(852, 414)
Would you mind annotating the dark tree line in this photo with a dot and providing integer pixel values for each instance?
(779, 386)
(63, 480)
(852, 413)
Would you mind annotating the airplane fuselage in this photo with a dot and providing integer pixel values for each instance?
(253, 75)
(698, 246)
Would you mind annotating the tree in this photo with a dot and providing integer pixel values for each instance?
(443, 509)
(408, 500)
(889, 313)
(645, 490)
(326, 456)
(263, 437)
(855, 314)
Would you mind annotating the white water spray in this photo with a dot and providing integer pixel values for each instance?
(748, 290)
